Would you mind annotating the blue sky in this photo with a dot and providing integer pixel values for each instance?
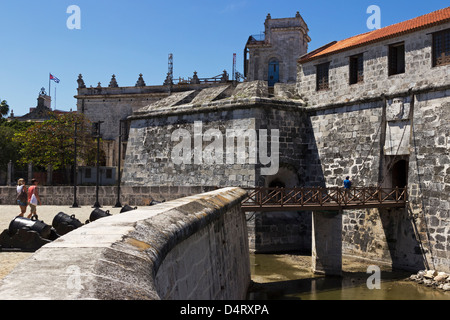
(126, 38)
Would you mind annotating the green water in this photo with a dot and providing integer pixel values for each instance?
(275, 278)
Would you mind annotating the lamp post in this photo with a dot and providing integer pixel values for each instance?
(75, 204)
(96, 134)
(118, 204)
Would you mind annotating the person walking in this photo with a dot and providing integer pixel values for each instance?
(347, 183)
(347, 186)
(22, 197)
(33, 197)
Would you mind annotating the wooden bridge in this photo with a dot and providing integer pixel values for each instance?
(319, 198)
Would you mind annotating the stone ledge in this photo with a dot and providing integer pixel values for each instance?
(116, 257)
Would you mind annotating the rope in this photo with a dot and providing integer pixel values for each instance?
(370, 151)
(395, 156)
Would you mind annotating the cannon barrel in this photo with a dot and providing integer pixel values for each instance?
(97, 214)
(155, 202)
(43, 229)
(127, 208)
(63, 223)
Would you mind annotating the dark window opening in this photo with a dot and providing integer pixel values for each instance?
(356, 69)
(400, 174)
(441, 48)
(322, 74)
(396, 59)
(87, 173)
(277, 184)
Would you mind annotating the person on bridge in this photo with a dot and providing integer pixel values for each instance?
(347, 183)
(347, 186)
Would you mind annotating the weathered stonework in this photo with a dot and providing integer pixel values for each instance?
(150, 158)
(383, 131)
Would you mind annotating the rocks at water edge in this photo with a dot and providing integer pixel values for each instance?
(432, 278)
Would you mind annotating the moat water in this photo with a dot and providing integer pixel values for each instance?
(289, 277)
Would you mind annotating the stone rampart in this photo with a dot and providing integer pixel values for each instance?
(191, 248)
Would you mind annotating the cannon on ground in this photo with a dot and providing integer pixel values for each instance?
(98, 213)
(126, 208)
(155, 202)
(63, 223)
(26, 234)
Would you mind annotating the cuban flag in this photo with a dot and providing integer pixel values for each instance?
(52, 77)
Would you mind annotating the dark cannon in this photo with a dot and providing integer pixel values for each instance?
(26, 234)
(33, 224)
(97, 214)
(127, 208)
(63, 223)
(155, 202)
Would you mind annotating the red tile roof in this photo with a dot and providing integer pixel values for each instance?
(422, 22)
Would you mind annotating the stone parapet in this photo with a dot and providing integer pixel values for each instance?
(191, 248)
(131, 195)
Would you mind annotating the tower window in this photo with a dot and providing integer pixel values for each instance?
(322, 75)
(356, 69)
(441, 48)
(396, 58)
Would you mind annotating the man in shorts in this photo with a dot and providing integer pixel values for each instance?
(33, 197)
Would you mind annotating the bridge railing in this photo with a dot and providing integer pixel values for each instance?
(335, 197)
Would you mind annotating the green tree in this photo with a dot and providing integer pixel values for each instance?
(4, 108)
(52, 142)
(9, 148)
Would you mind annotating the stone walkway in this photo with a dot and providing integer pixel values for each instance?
(10, 259)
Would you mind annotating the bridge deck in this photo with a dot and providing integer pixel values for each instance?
(318, 198)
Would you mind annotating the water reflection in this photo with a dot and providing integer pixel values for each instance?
(278, 277)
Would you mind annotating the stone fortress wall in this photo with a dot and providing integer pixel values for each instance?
(384, 130)
(376, 135)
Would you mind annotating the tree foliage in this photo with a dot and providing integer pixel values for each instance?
(4, 109)
(52, 142)
(9, 148)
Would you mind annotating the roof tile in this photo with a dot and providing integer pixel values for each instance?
(422, 22)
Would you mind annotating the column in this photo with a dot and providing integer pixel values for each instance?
(10, 174)
(327, 243)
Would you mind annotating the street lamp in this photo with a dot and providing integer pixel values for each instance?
(96, 134)
(118, 204)
(75, 204)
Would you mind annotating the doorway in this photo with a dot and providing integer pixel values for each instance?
(400, 174)
(274, 72)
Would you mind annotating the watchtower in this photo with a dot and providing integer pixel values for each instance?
(273, 56)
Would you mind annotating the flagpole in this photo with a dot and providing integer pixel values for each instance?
(49, 88)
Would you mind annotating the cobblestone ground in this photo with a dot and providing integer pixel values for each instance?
(10, 259)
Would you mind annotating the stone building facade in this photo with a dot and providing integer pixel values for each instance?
(272, 56)
(112, 105)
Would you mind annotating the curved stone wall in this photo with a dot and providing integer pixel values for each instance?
(190, 248)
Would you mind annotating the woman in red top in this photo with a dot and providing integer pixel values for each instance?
(33, 197)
